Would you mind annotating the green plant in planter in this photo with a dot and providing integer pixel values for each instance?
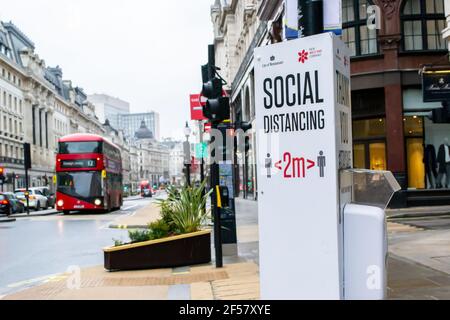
(159, 229)
(183, 210)
(140, 235)
(187, 209)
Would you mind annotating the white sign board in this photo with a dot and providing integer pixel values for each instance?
(332, 16)
(303, 122)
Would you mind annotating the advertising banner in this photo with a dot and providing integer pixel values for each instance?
(436, 86)
(196, 107)
(303, 123)
(291, 19)
(332, 16)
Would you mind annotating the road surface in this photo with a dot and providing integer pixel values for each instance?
(34, 249)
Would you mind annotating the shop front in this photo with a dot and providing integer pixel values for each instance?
(369, 129)
(427, 144)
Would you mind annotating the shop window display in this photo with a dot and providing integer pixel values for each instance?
(428, 153)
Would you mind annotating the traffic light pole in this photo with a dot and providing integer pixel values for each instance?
(202, 160)
(27, 192)
(216, 110)
(27, 166)
(215, 181)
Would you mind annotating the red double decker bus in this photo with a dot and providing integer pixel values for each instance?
(88, 174)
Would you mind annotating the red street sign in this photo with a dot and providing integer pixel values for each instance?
(208, 127)
(196, 107)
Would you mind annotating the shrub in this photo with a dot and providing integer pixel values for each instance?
(139, 235)
(118, 243)
(188, 209)
(159, 229)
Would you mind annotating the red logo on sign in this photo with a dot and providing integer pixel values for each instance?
(303, 56)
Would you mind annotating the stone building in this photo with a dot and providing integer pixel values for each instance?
(37, 107)
(117, 137)
(237, 31)
(153, 157)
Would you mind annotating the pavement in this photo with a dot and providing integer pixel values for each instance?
(418, 212)
(139, 219)
(418, 268)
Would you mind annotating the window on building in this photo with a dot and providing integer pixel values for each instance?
(422, 22)
(360, 39)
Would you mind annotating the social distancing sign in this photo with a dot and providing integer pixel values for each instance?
(303, 116)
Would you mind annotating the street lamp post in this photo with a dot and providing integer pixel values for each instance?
(187, 154)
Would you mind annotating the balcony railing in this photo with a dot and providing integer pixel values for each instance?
(11, 160)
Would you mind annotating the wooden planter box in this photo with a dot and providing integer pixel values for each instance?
(183, 250)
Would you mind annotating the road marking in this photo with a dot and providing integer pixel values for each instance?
(127, 208)
(31, 281)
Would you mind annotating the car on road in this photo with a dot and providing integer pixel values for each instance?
(37, 200)
(51, 198)
(146, 189)
(16, 205)
(5, 205)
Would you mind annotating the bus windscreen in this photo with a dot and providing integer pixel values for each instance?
(81, 185)
(80, 147)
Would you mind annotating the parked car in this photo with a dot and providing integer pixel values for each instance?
(51, 199)
(37, 200)
(5, 205)
(16, 204)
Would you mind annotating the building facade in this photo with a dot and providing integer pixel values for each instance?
(36, 107)
(393, 128)
(237, 31)
(153, 157)
(176, 163)
(130, 123)
(109, 108)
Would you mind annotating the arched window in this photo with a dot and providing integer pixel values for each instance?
(422, 23)
(360, 39)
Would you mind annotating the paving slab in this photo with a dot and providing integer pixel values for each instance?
(139, 219)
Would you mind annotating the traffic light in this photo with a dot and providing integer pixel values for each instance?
(2, 175)
(217, 107)
(27, 155)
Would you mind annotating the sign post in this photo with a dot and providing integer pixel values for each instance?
(303, 123)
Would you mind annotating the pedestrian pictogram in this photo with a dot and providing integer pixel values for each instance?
(269, 166)
(321, 163)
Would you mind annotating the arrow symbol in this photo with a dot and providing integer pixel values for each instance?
(278, 165)
(311, 164)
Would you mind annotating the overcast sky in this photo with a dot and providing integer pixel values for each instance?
(146, 52)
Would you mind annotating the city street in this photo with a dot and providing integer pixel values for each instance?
(294, 150)
(34, 249)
